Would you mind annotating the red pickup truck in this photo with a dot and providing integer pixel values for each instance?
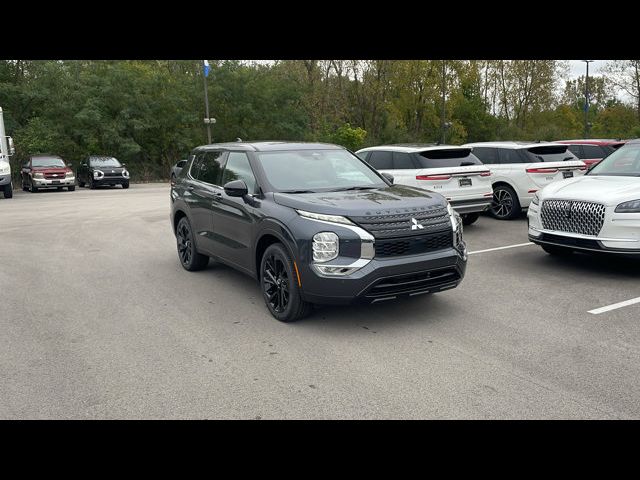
(47, 171)
(591, 151)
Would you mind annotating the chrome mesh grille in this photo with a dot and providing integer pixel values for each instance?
(585, 218)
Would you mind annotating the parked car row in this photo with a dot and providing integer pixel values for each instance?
(51, 171)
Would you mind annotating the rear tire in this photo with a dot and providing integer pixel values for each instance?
(8, 191)
(188, 255)
(279, 284)
(557, 251)
(505, 205)
(469, 218)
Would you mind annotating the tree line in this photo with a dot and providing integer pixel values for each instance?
(149, 114)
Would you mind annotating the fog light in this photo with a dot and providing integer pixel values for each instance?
(325, 246)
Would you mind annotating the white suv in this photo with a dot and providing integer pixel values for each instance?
(449, 170)
(520, 169)
(596, 212)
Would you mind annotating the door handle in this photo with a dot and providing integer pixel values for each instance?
(191, 188)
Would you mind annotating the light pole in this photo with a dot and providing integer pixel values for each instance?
(586, 101)
(207, 120)
(444, 87)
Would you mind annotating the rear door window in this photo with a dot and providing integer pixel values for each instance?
(593, 151)
(381, 160)
(488, 155)
(509, 155)
(402, 161)
(455, 157)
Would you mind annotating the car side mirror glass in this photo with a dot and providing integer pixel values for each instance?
(236, 188)
(12, 148)
(69, 164)
(388, 177)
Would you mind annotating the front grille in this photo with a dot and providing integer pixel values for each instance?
(115, 174)
(585, 218)
(414, 245)
(413, 283)
(54, 176)
(400, 224)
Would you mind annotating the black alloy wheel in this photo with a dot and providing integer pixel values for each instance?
(280, 287)
(189, 257)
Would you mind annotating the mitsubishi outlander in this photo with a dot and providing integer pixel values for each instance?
(313, 224)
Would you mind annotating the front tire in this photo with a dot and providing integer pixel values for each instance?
(189, 257)
(505, 205)
(557, 251)
(71, 188)
(125, 185)
(279, 285)
(33, 188)
(8, 191)
(92, 184)
(469, 218)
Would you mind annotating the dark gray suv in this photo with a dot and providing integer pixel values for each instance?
(313, 224)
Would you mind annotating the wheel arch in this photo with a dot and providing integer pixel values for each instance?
(269, 236)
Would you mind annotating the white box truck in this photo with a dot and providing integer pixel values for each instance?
(6, 150)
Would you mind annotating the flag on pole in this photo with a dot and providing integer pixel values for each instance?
(207, 68)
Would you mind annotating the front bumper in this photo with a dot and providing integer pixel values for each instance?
(5, 180)
(110, 180)
(387, 279)
(47, 183)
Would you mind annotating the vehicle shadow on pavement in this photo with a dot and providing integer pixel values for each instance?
(598, 264)
(428, 308)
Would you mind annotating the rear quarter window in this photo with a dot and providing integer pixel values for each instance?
(381, 160)
(488, 155)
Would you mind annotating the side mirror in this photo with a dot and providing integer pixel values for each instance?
(69, 164)
(236, 188)
(123, 164)
(12, 148)
(388, 177)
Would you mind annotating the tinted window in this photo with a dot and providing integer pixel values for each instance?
(593, 151)
(211, 168)
(238, 168)
(509, 155)
(549, 153)
(194, 171)
(487, 155)
(104, 162)
(576, 150)
(381, 160)
(455, 157)
(402, 161)
(181, 163)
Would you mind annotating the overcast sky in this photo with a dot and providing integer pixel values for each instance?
(578, 67)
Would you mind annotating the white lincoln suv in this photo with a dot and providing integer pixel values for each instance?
(520, 169)
(451, 171)
(599, 211)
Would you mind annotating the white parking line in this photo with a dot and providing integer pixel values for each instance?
(501, 248)
(608, 308)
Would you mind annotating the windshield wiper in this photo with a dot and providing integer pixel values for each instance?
(354, 188)
(298, 191)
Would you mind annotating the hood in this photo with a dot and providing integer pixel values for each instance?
(607, 190)
(389, 200)
(51, 169)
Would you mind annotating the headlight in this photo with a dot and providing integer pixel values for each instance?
(98, 174)
(69, 174)
(325, 246)
(535, 200)
(38, 175)
(125, 174)
(325, 218)
(4, 170)
(632, 206)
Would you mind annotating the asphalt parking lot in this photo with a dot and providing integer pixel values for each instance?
(99, 320)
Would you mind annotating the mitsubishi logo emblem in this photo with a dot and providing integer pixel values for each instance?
(415, 225)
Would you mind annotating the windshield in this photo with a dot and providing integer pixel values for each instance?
(47, 162)
(317, 170)
(455, 157)
(550, 153)
(104, 162)
(623, 162)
